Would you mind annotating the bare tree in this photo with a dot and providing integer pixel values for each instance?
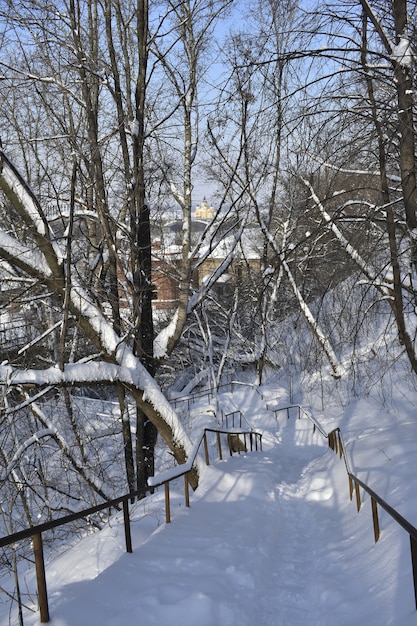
(182, 54)
(89, 80)
(97, 72)
(375, 101)
(45, 263)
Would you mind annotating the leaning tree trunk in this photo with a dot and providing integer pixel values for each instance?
(39, 256)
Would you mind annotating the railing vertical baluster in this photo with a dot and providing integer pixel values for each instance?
(219, 446)
(413, 544)
(40, 578)
(167, 505)
(126, 518)
(206, 452)
(358, 497)
(375, 519)
(330, 439)
(350, 487)
(186, 490)
(339, 436)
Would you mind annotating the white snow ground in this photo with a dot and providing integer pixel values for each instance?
(270, 538)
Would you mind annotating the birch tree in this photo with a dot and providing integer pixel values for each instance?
(44, 262)
(252, 148)
(380, 62)
(183, 54)
(90, 84)
(88, 77)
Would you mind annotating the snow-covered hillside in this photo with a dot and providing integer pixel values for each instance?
(270, 538)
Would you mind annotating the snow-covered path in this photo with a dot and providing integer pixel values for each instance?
(271, 538)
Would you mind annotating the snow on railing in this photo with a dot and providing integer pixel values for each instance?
(335, 441)
(235, 444)
(211, 393)
(234, 419)
(300, 413)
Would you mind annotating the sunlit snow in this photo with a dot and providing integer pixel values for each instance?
(270, 538)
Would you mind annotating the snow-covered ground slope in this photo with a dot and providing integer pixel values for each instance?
(270, 538)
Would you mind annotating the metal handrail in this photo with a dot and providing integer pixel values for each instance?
(336, 443)
(237, 413)
(185, 468)
(301, 410)
(412, 530)
(211, 392)
(35, 532)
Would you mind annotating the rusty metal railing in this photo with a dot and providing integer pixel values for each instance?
(335, 441)
(237, 440)
(211, 392)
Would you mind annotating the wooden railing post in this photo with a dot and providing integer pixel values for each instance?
(167, 505)
(126, 518)
(40, 578)
(358, 497)
(335, 442)
(206, 452)
(330, 438)
(375, 519)
(186, 490)
(219, 446)
(413, 544)
(339, 436)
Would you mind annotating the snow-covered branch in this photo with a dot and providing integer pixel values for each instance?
(364, 267)
(43, 262)
(26, 204)
(35, 438)
(130, 372)
(27, 258)
(305, 309)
